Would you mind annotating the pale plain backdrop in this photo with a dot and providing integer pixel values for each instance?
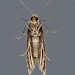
(60, 47)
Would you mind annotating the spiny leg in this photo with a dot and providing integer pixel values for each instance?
(25, 52)
(23, 33)
(20, 17)
(49, 29)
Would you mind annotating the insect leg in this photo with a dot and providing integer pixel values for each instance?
(25, 52)
(23, 33)
(48, 29)
(45, 53)
(42, 60)
(20, 17)
(47, 58)
(28, 27)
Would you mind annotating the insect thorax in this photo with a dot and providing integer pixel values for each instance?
(34, 24)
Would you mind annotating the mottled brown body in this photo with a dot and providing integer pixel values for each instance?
(35, 41)
(35, 45)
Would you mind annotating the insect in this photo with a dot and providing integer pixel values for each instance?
(35, 51)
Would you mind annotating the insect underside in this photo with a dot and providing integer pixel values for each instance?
(35, 46)
(35, 51)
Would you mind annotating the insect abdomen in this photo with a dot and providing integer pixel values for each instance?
(35, 43)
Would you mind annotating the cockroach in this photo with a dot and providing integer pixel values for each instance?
(35, 50)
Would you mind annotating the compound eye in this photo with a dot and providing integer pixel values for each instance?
(36, 18)
(31, 19)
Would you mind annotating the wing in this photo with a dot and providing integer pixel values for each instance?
(42, 59)
(29, 55)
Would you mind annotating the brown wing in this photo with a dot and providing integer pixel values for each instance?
(42, 59)
(29, 55)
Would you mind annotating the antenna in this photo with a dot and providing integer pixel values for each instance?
(46, 4)
(25, 6)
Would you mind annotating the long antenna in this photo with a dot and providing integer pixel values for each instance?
(25, 6)
(46, 4)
